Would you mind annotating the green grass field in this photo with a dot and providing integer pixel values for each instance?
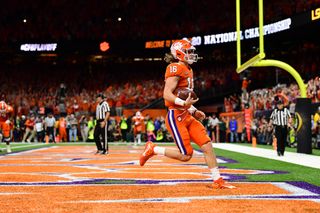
(295, 172)
(288, 149)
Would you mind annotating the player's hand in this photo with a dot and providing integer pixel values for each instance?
(199, 115)
(190, 101)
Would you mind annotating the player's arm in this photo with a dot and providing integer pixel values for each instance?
(199, 115)
(169, 87)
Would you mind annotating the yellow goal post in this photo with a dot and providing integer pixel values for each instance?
(258, 60)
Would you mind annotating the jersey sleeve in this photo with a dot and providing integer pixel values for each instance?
(173, 69)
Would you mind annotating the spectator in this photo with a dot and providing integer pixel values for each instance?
(17, 133)
(123, 128)
(62, 129)
(39, 128)
(269, 134)
(91, 126)
(29, 134)
(73, 128)
(233, 126)
(222, 129)
(150, 130)
(213, 124)
(138, 121)
(160, 136)
(119, 108)
(84, 128)
(22, 126)
(261, 135)
(316, 117)
(113, 130)
(245, 84)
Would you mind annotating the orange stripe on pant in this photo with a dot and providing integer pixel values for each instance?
(184, 128)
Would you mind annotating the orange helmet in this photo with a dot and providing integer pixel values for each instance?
(138, 114)
(184, 51)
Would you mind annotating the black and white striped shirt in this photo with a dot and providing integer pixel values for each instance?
(280, 117)
(101, 110)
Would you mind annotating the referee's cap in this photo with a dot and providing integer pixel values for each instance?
(101, 95)
(279, 101)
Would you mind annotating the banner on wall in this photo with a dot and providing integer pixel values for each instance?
(226, 37)
(303, 115)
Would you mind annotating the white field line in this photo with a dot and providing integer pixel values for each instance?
(189, 199)
(30, 151)
(18, 147)
(289, 157)
(296, 193)
(14, 193)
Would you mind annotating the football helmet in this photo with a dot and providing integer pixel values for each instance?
(138, 114)
(184, 51)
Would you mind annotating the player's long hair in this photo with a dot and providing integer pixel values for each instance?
(168, 57)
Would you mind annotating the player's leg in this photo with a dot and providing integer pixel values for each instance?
(180, 133)
(173, 153)
(151, 149)
(199, 135)
(139, 138)
(135, 133)
(7, 140)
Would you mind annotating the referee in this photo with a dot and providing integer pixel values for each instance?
(280, 118)
(100, 130)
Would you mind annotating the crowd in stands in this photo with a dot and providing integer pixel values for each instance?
(72, 20)
(263, 101)
(40, 128)
(78, 97)
(72, 113)
(36, 89)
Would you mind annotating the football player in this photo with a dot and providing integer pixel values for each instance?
(182, 119)
(138, 121)
(5, 124)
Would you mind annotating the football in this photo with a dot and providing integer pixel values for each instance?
(183, 93)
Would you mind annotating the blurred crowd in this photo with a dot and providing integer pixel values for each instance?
(72, 20)
(263, 101)
(35, 89)
(40, 128)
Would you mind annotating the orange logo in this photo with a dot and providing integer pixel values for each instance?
(104, 46)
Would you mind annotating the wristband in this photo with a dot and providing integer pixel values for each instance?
(192, 110)
(179, 101)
